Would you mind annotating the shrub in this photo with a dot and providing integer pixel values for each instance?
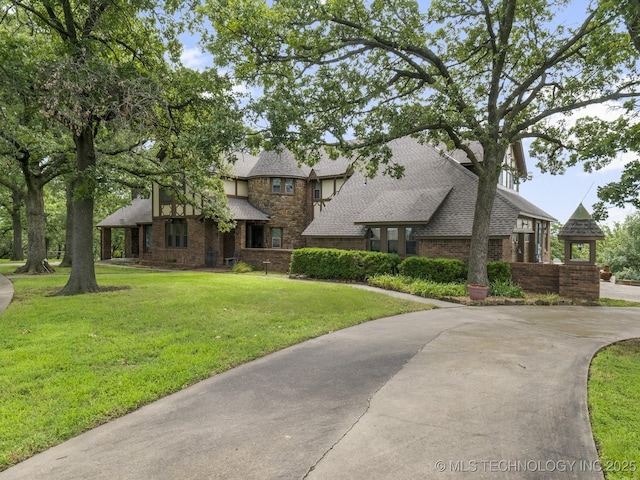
(329, 263)
(416, 286)
(499, 272)
(439, 270)
(506, 289)
(374, 263)
(629, 273)
(241, 267)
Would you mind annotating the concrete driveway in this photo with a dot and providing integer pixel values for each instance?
(463, 392)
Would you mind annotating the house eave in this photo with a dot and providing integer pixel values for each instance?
(391, 223)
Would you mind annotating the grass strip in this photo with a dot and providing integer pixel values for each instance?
(614, 406)
(72, 363)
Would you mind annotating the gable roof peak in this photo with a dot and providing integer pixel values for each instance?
(581, 225)
(580, 213)
(280, 163)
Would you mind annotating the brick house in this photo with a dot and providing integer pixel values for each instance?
(280, 206)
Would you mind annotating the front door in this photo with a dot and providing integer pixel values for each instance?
(229, 244)
(255, 236)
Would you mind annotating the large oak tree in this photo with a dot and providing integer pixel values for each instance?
(32, 153)
(115, 85)
(354, 74)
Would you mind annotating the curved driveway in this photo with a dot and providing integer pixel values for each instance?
(466, 392)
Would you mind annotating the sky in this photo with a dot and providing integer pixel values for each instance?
(560, 195)
(557, 195)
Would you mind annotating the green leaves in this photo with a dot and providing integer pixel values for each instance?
(333, 70)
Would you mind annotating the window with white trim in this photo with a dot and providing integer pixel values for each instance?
(288, 186)
(276, 238)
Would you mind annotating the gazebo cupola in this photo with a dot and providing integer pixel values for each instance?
(578, 234)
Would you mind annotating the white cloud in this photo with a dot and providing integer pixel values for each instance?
(196, 59)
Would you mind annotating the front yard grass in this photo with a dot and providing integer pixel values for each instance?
(614, 407)
(72, 363)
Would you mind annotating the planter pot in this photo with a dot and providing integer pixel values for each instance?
(605, 274)
(477, 292)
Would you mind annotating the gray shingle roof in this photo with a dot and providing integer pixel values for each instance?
(278, 164)
(581, 226)
(403, 206)
(136, 213)
(525, 206)
(139, 212)
(331, 168)
(447, 189)
(241, 209)
(243, 164)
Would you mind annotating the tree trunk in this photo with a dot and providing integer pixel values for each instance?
(488, 176)
(83, 274)
(16, 221)
(66, 261)
(36, 224)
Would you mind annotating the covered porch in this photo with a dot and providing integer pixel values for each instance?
(135, 220)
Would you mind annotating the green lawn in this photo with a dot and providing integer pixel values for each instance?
(71, 363)
(614, 405)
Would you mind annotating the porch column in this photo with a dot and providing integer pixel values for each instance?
(105, 244)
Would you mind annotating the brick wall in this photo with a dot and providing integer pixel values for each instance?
(569, 281)
(279, 258)
(580, 281)
(444, 248)
(499, 248)
(339, 243)
(537, 277)
(194, 255)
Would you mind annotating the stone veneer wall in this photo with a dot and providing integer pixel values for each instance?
(567, 280)
(288, 212)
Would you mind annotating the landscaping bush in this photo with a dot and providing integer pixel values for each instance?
(499, 272)
(334, 264)
(420, 287)
(629, 273)
(439, 270)
(506, 289)
(242, 267)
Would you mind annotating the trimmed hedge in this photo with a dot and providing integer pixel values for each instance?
(334, 264)
(499, 272)
(358, 265)
(438, 270)
(447, 270)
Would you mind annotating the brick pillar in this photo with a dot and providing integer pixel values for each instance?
(105, 243)
(580, 282)
(128, 244)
